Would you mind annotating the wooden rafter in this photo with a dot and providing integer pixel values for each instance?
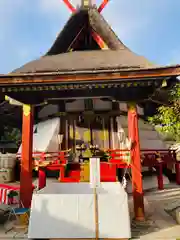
(54, 77)
(103, 4)
(74, 40)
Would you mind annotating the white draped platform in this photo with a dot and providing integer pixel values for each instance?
(67, 210)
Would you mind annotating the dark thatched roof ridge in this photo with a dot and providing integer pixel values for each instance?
(76, 22)
(57, 59)
(101, 26)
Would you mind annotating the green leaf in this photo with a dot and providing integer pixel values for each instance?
(167, 119)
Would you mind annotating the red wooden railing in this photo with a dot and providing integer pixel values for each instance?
(150, 158)
(119, 158)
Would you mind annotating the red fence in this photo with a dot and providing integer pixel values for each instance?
(157, 158)
(121, 158)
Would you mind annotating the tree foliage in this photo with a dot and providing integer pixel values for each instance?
(11, 134)
(167, 119)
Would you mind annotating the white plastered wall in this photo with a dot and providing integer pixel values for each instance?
(45, 136)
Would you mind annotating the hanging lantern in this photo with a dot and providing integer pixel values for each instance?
(121, 135)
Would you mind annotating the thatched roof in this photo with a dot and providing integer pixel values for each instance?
(86, 60)
(85, 20)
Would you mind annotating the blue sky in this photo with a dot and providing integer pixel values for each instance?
(29, 27)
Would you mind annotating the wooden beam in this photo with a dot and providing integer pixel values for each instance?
(102, 6)
(74, 42)
(26, 157)
(137, 186)
(69, 5)
(13, 101)
(53, 77)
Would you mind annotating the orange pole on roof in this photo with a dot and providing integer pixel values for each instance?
(99, 40)
(103, 4)
(69, 5)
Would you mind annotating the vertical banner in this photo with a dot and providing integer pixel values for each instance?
(95, 172)
(95, 182)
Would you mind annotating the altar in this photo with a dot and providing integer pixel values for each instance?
(69, 210)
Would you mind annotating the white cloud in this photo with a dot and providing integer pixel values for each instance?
(128, 18)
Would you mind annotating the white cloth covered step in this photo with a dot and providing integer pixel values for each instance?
(67, 210)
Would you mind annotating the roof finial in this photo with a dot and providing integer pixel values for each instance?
(86, 3)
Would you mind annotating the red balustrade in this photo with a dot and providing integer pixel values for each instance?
(118, 159)
(150, 158)
(108, 172)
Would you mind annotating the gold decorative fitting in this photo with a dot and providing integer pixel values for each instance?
(86, 3)
(26, 109)
(131, 106)
(6, 98)
(164, 83)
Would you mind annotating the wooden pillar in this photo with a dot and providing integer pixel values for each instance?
(26, 160)
(177, 167)
(160, 176)
(137, 185)
(112, 132)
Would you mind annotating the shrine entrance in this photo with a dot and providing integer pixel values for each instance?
(89, 129)
(87, 60)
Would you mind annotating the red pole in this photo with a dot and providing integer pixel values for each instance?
(160, 177)
(26, 160)
(62, 173)
(69, 5)
(177, 167)
(136, 162)
(99, 40)
(102, 6)
(41, 178)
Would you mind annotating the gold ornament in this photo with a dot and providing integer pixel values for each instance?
(26, 109)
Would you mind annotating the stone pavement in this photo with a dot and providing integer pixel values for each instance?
(160, 224)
